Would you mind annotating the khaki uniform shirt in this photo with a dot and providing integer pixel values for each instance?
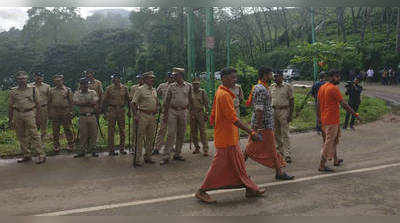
(24, 99)
(60, 100)
(90, 96)
(145, 98)
(199, 100)
(237, 90)
(281, 95)
(97, 86)
(44, 91)
(116, 96)
(133, 89)
(162, 90)
(179, 95)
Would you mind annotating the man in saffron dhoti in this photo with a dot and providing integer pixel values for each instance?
(264, 152)
(228, 169)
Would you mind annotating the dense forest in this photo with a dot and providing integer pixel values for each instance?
(60, 41)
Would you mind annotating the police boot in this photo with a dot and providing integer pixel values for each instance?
(25, 159)
(149, 161)
(179, 158)
(197, 150)
(78, 155)
(94, 154)
(155, 152)
(122, 151)
(113, 153)
(41, 159)
(164, 161)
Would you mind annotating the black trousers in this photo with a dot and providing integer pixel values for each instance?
(354, 106)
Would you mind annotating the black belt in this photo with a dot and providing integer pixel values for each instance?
(87, 114)
(25, 110)
(117, 106)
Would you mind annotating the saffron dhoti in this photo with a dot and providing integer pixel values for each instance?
(265, 152)
(228, 171)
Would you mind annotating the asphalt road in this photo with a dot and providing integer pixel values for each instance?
(64, 183)
(367, 184)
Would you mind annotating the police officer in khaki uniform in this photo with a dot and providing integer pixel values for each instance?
(162, 92)
(199, 117)
(145, 106)
(87, 102)
(177, 103)
(44, 92)
(95, 84)
(283, 103)
(132, 91)
(60, 109)
(115, 99)
(237, 90)
(24, 105)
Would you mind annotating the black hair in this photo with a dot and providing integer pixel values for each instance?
(333, 72)
(228, 71)
(262, 71)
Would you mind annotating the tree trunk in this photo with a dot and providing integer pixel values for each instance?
(354, 20)
(371, 23)
(285, 24)
(261, 29)
(340, 22)
(398, 31)
(182, 33)
(364, 24)
(268, 23)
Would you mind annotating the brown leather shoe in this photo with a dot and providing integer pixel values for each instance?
(150, 161)
(204, 197)
(25, 159)
(41, 159)
(252, 193)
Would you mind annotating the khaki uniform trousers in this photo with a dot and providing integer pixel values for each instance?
(176, 132)
(282, 131)
(87, 133)
(197, 124)
(65, 121)
(146, 130)
(116, 116)
(44, 118)
(160, 139)
(27, 133)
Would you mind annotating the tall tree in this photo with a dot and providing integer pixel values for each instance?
(398, 31)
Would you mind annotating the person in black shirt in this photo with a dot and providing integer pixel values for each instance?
(353, 90)
(314, 92)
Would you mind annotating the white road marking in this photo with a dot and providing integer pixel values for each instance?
(179, 197)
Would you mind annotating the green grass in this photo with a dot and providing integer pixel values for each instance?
(370, 109)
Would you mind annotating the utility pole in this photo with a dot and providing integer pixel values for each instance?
(313, 41)
(210, 44)
(228, 45)
(190, 45)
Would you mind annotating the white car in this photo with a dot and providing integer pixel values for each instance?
(291, 74)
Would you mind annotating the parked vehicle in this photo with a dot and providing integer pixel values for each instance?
(291, 74)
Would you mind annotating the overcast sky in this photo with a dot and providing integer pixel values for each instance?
(17, 16)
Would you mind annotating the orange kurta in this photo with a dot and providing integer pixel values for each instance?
(329, 98)
(224, 116)
(228, 168)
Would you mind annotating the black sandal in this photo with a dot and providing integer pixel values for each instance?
(326, 169)
(340, 162)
